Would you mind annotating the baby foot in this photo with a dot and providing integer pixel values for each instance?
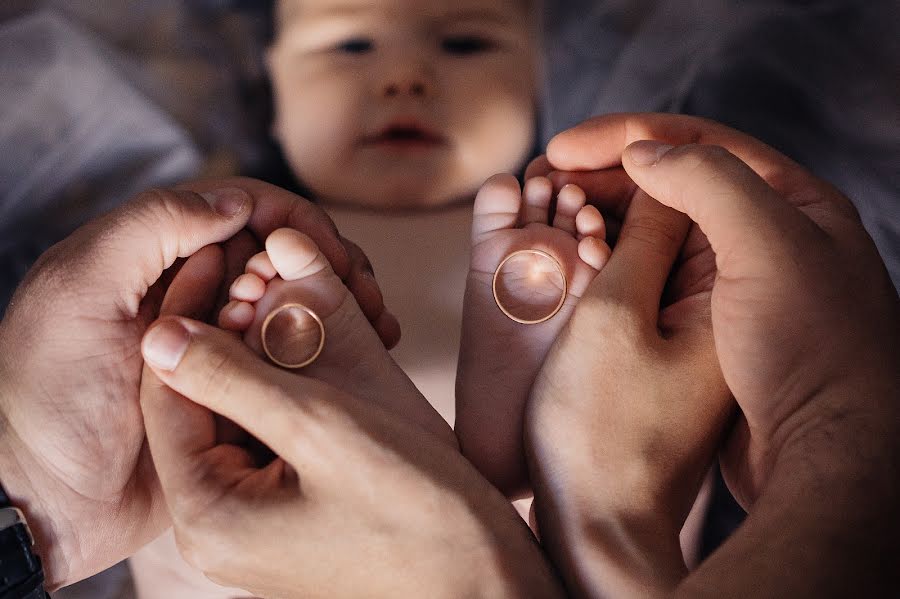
(500, 357)
(292, 270)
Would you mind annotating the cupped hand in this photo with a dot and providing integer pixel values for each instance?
(74, 456)
(805, 324)
(627, 414)
(802, 306)
(355, 502)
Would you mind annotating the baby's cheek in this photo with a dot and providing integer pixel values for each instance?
(501, 134)
(498, 119)
(316, 140)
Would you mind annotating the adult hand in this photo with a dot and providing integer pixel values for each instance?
(805, 321)
(73, 452)
(629, 409)
(355, 502)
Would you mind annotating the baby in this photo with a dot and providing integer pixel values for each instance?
(392, 113)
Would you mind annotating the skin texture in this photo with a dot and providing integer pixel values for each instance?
(303, 523)
(499, 358)
(292, 271)
(344, 71)
(74, 455)
(804, 322)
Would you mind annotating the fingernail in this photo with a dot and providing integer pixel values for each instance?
(647, 153)
(164, 345)
(227, 202)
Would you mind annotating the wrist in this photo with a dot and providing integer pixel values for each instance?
(612, 525)
(53, 542)
(496, 555)
(608, 551)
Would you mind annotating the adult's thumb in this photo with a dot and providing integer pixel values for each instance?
(746, 221)
(127, 250)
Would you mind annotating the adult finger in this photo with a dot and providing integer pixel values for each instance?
(193, 291)
(598, 143)
(123, 253)
(275, 208)
(609, 190)
(179, 433)
(539, 167)
(648, 244)
(218, 371)
(745, 220)
(238, 251)
(362, 284)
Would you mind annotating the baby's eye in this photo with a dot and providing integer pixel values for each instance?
(464, 45)
(357, 45)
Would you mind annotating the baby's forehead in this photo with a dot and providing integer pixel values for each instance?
(289, 11)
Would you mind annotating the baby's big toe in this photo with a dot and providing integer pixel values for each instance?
(294, 255)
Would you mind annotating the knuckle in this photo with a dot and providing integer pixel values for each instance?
(706, 154)
(165, 205)
(221, 375)
(703, 160)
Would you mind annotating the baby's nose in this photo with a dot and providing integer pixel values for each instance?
(416, 87)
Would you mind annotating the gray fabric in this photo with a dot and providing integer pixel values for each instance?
(76, 139)
(818, 80)
(114, 583)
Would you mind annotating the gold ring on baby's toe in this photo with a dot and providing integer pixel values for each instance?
(530, 299)
(297, 338)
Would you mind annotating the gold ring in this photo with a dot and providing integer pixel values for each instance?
(562, 299)
(275, 313)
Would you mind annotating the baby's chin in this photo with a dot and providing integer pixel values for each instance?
(400, 195)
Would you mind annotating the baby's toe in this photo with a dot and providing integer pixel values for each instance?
(569, 202)
(538, 193)
(247, 288)
(295, 256)
(261, 266)
(594, 252)
(236, 316)
(590, 223)
(497, 207)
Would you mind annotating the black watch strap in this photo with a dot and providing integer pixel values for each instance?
(21, 573)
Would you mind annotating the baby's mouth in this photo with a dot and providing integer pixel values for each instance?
(405, 136)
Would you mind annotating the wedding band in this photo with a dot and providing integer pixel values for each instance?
(292, 365)
(562, 298)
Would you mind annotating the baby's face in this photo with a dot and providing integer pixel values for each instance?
(403, 103)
